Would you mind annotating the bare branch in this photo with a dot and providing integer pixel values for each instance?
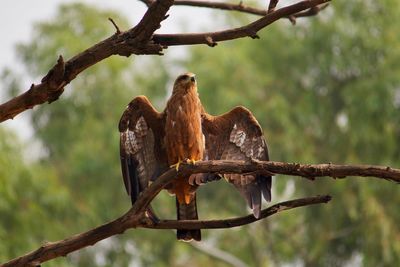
(132, 219)
(221, 5)
(309, 171)
(235, 222)
(135, 216)
(134, 41)
(138, 41)
(247, 9)
(272, 5)
(249, 30)
(118, 31)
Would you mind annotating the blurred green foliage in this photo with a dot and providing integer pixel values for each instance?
(326, 90)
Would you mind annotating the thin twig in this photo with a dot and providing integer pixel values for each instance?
(115, 25)
(272, 5)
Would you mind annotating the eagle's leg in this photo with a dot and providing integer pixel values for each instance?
(176, 165)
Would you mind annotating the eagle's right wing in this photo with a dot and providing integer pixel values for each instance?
(236, 135)
(141, 132)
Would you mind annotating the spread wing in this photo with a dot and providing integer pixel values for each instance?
(141, 133)
(236, 135)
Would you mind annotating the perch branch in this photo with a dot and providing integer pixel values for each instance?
(309, 171)
(135, 216)
(249, 30)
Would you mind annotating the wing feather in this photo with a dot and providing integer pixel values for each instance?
(140, 137)
(236, 135)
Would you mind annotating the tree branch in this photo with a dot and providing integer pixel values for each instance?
(235, 222)
(247, 9)
(138, 40)
(223, 6)
(131, 219)
(134, 41)
(135, 216)
(272, 5)
(250, 30)
(309, 171)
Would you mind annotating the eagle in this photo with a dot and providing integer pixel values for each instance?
(152, 142)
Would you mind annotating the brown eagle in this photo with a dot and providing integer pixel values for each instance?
(151, 142)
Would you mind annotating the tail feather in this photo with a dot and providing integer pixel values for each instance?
(187, 212)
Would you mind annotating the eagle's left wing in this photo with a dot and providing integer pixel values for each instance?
(142, 157)
(236, 135)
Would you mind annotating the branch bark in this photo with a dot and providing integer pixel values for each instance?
(131, 219)
(135, 217)
(134, 41)
(250, 30)
(235, 222)
(138, 40)
(247, 9)
(309, 171)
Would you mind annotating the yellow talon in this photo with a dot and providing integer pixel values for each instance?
(191, 161)
(176, 165)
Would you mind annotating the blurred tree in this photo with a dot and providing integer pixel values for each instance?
(325, 90)
(34, 203)
(81, 140)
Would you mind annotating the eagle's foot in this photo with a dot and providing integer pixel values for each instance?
(191, 161)
(176, 165)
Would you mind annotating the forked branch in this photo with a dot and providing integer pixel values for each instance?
(135, 217)
(250, 30)
(139, 40)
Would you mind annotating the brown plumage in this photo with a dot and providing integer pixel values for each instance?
(152, 141)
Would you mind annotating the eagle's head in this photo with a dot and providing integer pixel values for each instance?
(185, 82)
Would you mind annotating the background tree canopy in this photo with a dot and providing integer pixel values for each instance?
(326, 90)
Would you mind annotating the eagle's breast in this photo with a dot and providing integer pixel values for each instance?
(183, 134)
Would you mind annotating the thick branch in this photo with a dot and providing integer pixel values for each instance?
(134, 41)
(135, 216)
(250, 30)
(309, 171)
